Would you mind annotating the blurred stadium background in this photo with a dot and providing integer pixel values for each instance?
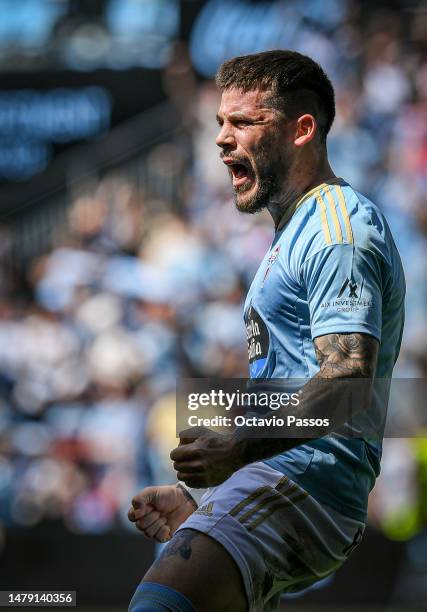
(124, 265)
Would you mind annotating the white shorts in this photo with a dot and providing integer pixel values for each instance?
(281, 538)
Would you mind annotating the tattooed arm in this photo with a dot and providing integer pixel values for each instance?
(210, 459)
(342, 357)
(346, 355)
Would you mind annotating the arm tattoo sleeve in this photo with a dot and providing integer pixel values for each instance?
(346, 355)
(340, 357)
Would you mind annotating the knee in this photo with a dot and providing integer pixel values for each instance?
(153, 597)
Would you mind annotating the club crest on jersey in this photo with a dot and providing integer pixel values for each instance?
(270, 261)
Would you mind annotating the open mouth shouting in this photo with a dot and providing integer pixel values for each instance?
(241, 172)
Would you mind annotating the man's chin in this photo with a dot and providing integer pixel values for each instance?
(246, 201)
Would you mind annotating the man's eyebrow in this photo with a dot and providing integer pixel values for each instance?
(236, 115)
(242, 115)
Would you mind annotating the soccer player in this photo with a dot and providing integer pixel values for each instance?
(327, 303)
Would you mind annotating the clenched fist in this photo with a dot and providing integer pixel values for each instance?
(205, 458)
(159, 511)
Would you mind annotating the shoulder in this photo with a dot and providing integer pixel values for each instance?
(336, 215)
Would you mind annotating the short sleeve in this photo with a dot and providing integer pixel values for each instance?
(343, 285)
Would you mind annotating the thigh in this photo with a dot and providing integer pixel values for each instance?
(201, 569)
(280, 538)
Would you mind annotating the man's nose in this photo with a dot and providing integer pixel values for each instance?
(225, 137)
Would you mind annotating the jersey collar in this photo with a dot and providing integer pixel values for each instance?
(293, 207)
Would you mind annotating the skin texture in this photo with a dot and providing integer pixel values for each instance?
(282, 160)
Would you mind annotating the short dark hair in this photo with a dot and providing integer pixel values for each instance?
(297, 83)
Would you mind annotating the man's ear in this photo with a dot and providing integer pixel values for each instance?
(305, 130)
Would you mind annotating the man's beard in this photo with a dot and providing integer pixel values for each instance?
(270, 177)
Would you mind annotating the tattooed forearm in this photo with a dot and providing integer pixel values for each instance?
(341, 357)
(346, 355)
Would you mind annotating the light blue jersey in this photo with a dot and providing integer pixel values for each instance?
(333, 267)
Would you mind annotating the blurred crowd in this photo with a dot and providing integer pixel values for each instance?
(137, 291)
